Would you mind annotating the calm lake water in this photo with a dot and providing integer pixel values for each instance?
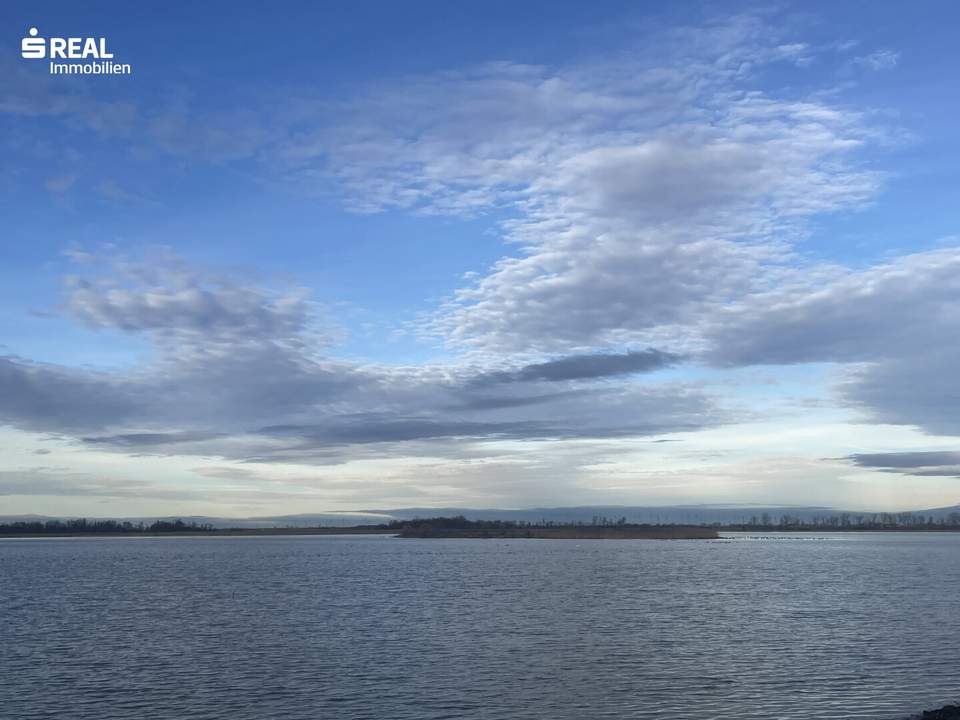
(845, 626)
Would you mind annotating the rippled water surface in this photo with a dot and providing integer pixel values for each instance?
(845, 626)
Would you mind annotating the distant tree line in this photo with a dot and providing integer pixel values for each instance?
(851, 521)
(762, 522)
(784, 522)
(459, 522)
(83, 526)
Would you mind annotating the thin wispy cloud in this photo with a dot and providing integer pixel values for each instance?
(879, 60)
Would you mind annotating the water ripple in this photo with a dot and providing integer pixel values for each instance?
(373, 627)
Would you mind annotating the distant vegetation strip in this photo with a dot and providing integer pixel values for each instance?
(82, 526)
(872, 522)
(439, 527)
(460, 526)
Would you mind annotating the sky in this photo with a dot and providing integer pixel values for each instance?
(328, 256)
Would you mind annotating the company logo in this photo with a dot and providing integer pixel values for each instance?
(83, 56)
(33, 47)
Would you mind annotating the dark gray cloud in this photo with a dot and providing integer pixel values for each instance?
(352, 430)
(936, 463)
(616, 413)
(215, 406)
(472, 400)
(912, 385)
(906, 459)
(48, 398)
(900, 308)
(141, 440)
(587, 366)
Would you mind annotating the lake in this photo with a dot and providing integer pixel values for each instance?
(267, 628)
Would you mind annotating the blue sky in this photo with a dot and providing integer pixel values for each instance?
(326, 257)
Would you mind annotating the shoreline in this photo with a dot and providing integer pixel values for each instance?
(663, 532)
(535, 534)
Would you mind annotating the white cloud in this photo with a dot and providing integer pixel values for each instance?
(238, 371)
(898, 323)
(642, 190)
(183, 306)
(879, 60)
(60, 183)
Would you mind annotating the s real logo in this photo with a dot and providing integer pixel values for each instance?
(33, 46)
(82, 56)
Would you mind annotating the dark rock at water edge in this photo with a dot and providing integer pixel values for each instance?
(947, 712)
